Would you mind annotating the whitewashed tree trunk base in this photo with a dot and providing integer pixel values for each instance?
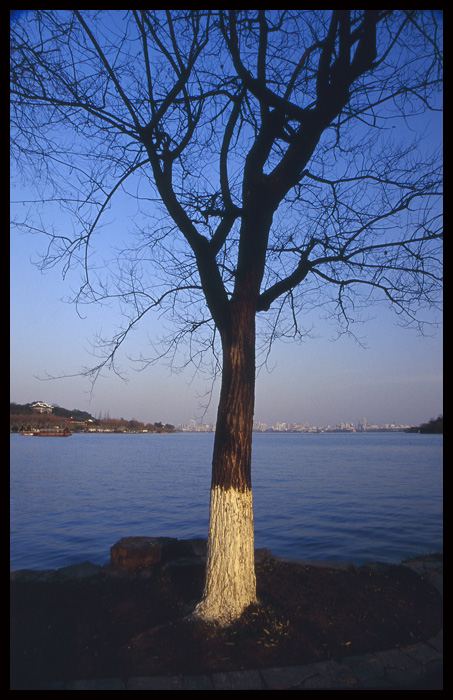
(230, 584)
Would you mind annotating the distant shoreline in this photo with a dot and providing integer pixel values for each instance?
(26, 417)
(416, 431)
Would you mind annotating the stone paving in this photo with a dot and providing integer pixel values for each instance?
(413, 667)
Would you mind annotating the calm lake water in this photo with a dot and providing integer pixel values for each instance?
(340, 497)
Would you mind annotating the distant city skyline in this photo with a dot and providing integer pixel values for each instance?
(361, 423)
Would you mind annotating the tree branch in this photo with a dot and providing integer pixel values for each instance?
(109, 69)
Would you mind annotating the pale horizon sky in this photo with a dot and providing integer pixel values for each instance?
(396, 379)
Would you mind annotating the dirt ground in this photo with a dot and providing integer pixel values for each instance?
(136, 625)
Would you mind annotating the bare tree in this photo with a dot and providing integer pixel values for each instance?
(285, 153)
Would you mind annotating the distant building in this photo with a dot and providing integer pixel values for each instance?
(41, 407)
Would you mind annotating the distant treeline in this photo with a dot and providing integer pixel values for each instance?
(22, 417)
(435, 425)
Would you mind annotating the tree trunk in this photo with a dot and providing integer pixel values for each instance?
(230, 583)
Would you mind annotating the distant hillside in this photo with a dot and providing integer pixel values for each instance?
(22, 417)
(75, 413)
(19, 409)
(25, 409)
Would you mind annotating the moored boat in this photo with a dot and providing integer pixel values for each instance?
(53, 432)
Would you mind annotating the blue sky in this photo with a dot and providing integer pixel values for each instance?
(396, 378)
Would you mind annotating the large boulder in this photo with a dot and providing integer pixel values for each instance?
(131, 553)
(139, 552)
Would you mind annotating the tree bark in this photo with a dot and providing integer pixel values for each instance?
(230, 583)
